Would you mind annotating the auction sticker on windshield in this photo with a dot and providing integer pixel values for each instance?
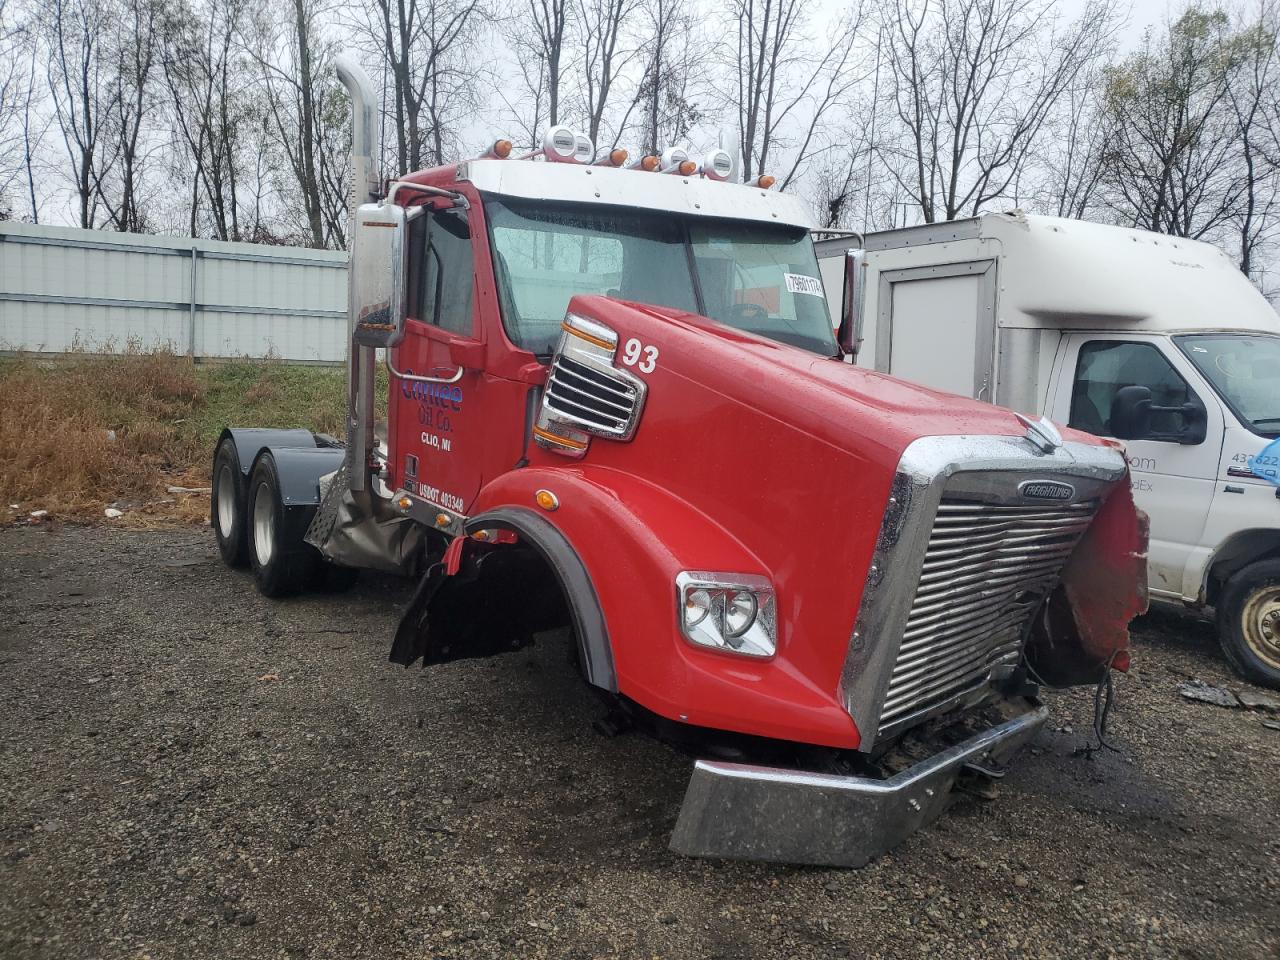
(799, 283)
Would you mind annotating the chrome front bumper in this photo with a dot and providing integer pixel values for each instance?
(764, 813)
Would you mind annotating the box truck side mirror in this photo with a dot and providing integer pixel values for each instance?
(378, 274)
(1132, 411)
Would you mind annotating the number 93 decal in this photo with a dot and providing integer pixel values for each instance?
(643, 358)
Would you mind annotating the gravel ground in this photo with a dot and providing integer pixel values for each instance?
(189, 769)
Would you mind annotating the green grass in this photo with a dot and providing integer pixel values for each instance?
(90, 430)
(269, 394)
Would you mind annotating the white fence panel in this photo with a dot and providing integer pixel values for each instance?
(63, 290)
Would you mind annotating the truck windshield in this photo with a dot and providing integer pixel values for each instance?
(1245, 371)
(761, 278)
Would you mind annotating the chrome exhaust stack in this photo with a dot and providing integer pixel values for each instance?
(366, 183)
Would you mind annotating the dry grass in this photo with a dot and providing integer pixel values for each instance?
(80, 434)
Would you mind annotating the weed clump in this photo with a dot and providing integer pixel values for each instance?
(83, 432)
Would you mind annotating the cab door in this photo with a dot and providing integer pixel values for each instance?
(438, 385)
(1173, 481)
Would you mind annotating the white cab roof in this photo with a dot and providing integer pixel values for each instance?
(694, 196)
(1058, 269)
(1055, 272)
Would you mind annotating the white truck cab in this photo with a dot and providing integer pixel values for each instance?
(1157, 341)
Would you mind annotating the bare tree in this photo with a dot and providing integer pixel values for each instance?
(207, 109)
(1168, 167)
(1255, 107)
(604, 60)
(1074, 147)
(291, 60)
(15, 94)
(676, 58)
(426, 49)
(970, 86)
(132, 50)
(73, 32)
(787, 81)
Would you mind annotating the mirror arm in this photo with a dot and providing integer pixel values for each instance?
(458, 199)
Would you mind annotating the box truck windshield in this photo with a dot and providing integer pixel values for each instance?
(756, 277)
(1244, 369)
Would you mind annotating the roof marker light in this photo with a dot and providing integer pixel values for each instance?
(648, 163)
(672, 158)
(686, 168)
(764, 181)
(614, 158)
(500, 149)
(717, 165)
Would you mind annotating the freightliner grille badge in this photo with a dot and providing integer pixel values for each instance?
(1046, 490)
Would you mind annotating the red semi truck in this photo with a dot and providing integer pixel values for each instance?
(617, 403)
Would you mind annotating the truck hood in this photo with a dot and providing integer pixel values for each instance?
(844, 405)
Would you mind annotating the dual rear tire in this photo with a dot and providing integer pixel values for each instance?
(255, 528)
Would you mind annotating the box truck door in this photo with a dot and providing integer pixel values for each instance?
(936, 326)
(1172, 481)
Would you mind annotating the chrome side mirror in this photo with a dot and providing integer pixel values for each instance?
(378, 275)
(849, 333)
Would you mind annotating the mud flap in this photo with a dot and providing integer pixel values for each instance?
(1084, 627)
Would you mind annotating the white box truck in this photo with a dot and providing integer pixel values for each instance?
(1157, 341)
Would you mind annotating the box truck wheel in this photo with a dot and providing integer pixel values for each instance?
(1249, 622)
(283, 563)
(228, 507)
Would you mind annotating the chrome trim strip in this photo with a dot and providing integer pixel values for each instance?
(789, 816)
(984, 469)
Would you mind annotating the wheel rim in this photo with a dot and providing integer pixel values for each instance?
(1261, 623)
(264, 516)
(226, 501)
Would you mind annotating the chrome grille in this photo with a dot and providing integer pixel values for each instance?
(985, 571)
(597, 399)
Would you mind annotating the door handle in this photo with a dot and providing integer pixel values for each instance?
(415, 378)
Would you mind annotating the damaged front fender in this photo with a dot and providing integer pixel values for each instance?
(1083, 628)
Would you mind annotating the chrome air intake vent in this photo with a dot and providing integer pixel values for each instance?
(586, 394)
(594, 399)
(986, 569)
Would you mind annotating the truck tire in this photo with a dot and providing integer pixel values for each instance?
(228, 506)
(1249, 622)
(283, 563)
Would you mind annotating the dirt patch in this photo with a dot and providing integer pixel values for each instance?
(165, 795)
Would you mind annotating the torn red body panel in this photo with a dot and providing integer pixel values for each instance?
(1084, 628)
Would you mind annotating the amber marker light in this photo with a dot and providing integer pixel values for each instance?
(404, 503)
(501, 149)
(583, 335)
(687, 168)
(765, 181)
(649, 163)
(618, 157)
(547, 500)
(442, 520)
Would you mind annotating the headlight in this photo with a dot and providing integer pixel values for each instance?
(728, 611)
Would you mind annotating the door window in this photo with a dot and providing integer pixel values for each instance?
(441, 271)
(1105, 366)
